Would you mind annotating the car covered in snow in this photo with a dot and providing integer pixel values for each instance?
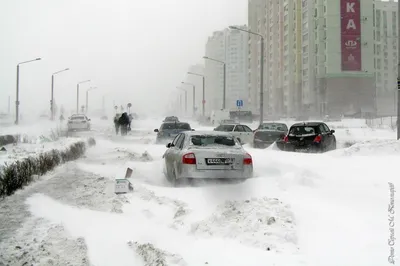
(242, 132)
(310, 137)
(171, 119)
(268, 133)
(78, 122)
(169, 130)
(206, 155)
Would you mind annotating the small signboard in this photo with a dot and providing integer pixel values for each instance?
(122, 185)
(239, 103)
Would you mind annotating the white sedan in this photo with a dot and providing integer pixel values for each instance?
(206, 155)
(242, 132)
(78, 122)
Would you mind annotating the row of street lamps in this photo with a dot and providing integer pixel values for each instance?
(17, 102)
(224, 78)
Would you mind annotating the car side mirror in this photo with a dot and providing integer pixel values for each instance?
(332, 131)
(192, 129)
(156, 130)
(169, 145)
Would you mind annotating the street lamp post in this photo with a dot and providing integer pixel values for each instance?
(194, 96)
(185, 98)
(204, 92)
(17, 96)
(224, 86)
(77, 94)
(87, 98)
(261, 69)
(52, 92)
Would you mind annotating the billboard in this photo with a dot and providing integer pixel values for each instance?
(350, 31)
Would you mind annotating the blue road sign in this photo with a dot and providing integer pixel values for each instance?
(239, 103)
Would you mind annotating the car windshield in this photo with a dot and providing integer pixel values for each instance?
(167, 126)
(213, 140)
(226, 128)
(302, 131)
(274, 126)
(77, 118)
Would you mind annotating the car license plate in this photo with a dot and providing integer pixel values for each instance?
(219, 161)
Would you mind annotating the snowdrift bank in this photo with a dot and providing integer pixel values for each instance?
(21, 172)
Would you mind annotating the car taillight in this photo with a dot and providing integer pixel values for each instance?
(189, 158)
(318, 139)
(286, 139)
(248, 160)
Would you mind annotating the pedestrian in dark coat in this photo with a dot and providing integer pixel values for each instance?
(123, 121)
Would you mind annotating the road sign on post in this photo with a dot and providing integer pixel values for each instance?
(239, 103)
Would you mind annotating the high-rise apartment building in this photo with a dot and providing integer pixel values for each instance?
(386, 56)
(231, 47)
(319, 56)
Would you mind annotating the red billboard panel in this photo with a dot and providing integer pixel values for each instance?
(350, 34)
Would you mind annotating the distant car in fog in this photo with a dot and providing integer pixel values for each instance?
(268, 133)
(242, 132)
(169, 130)
(206, 155)
(310, 137)
(171, 119)
(78, 122)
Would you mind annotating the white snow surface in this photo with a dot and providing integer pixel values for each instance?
(300, 209)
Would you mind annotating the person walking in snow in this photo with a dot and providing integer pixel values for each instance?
(116, 123)
(123, 121)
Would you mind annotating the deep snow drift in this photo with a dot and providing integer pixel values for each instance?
(300, 209)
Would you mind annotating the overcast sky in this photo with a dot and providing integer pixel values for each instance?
(134, 51)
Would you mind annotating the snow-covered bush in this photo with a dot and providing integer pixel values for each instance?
(20, 173)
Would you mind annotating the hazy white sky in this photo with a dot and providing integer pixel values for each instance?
(134, 51)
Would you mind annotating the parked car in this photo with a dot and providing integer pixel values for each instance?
(227, 121)
(204, 155)
(78, 122)
(310, 137)
(171, 119)
(169, 130)
(242, 132)
(268, 133)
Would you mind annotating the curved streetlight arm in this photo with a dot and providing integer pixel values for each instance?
(186, 83)
(248, 31)
(37, 59)
(196, 74)
(83, 81)
(55, 73)
(212, 59)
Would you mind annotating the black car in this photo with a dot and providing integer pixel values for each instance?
(169, 130)
(310, 137)
(171, 119)
(268, 133)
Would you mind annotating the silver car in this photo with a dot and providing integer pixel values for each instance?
(207, 155)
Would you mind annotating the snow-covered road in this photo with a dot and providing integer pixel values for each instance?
(301, 209)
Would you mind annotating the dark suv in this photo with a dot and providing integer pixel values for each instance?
(310, 137)
(169, 130)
